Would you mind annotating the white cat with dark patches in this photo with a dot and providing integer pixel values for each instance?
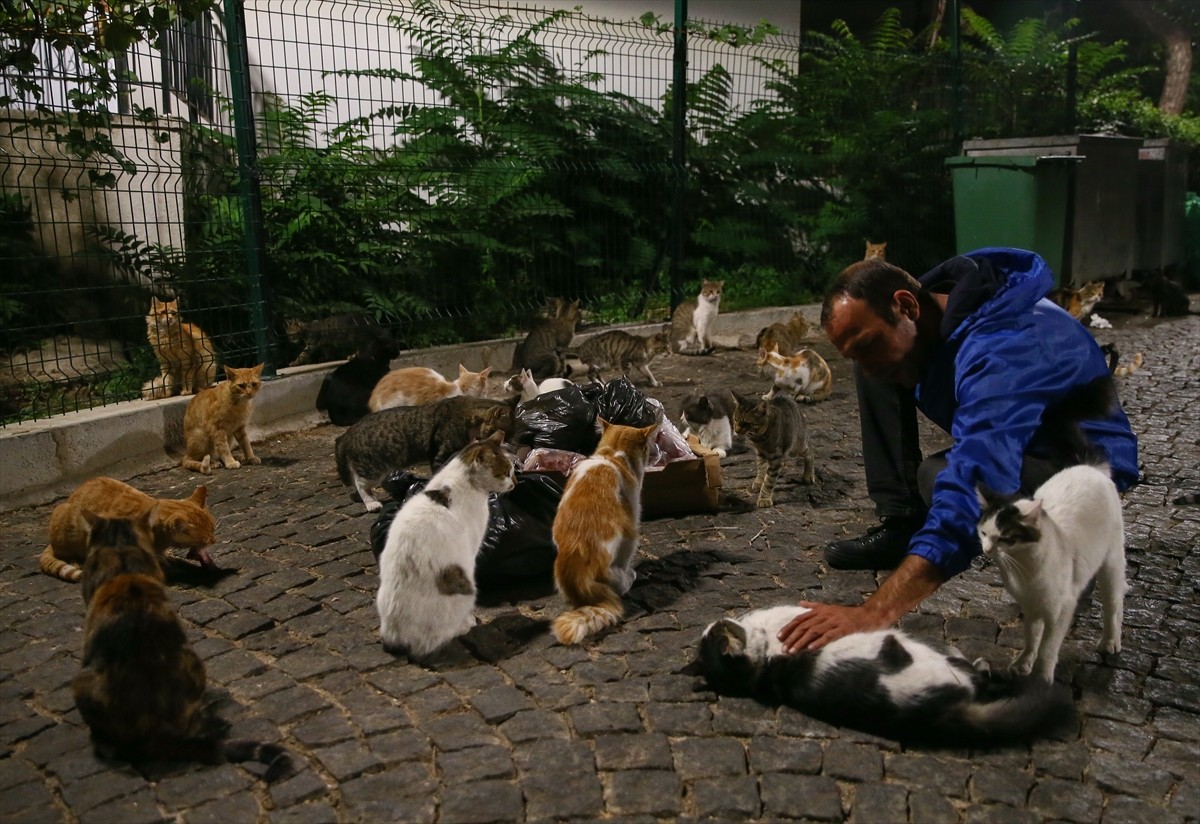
(711, 417)
(885, 683)
(1048, 547)
(427, 568)
(524, 383)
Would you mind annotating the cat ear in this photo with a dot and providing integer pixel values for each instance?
(229, 373)
(199, 496)
(1034, 513)
(258, 370)
(486, 371)
(604, 425)
(649, 431)
(775, 349)
(90, 517)
(462, 370)
(497, 437)
(981, 497)
(152, 517)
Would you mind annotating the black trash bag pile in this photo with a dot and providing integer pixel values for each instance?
(621, 403)
(518, 548)
(566, 419)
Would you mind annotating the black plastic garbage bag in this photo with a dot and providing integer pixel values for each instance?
(621, 403)
(518, 548)
(564, 419)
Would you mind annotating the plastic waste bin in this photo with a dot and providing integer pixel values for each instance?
(1162, 191)
(1012, 201)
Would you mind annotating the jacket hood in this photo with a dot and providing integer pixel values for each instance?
(992, 283)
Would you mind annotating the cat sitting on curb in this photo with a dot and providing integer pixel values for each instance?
(691, 323)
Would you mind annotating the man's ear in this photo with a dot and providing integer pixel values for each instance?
(907, 305)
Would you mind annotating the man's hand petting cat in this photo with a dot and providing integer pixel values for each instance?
(827, 623)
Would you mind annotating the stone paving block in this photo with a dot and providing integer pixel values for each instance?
(708, 757)
(1067, 800)
(876, 803)
(1117, 737)
(852, 762)
(997, 785)
(456, 732)
(1128, 776)
(498, 704)
(288, 705)
(277, 642)
(631, 690)
(482, 802)
(801, 796)
(679, 719)
(1061, 760)
(237, 625)
(324, 728)
(1172, 723)
(475, 764)
(202, 612)
(310, 663)
(653, 792)
(204, 784)
(16, 771)
(400, 745)
(554, 755)
(301, 787)
(731, 797)
(929, 807)
(54, 742)
(238, 807)
(596, 719)
(98, 788)
(1001, 814)
(316, 813)
(401, 681)
(947, 778)
(562, 794)
(1125, 810)
(31, 799)
(400, 794)
(253, 687)
(347, 760)
(138, 808)
(533, 724)
(633, 752)
(783, 755)
(232, 666)
(743, 717)
(25, 728)
(679, 688)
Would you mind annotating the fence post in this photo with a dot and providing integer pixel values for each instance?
(956, 104)
(678, 153)
(248, 181)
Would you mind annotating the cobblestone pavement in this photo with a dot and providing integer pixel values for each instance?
(511, 727)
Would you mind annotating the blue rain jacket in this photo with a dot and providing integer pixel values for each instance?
(1006, 354)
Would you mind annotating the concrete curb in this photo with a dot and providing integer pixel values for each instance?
(44, 460)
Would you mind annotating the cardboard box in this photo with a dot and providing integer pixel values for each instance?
(681, 487)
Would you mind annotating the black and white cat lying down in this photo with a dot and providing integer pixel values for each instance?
(885, 683)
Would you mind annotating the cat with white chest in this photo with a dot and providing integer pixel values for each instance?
(427, 568)
(691, 323)
(711, 416)
(885, 683)
(1048, 547)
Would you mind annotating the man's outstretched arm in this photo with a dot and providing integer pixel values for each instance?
(912, 582)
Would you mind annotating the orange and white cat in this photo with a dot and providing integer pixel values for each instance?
(217, 416)
(876, 250)
(805, 375)
(185, 354)
(596, 531)
(185, 524)
(417, 386)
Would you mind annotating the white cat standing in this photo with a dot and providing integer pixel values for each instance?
(1048, 548)
(427, 567)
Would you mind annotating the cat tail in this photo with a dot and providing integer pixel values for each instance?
(1122, 371)
(602, 608)
(277, 759)
(1092, 400)
(204, 467)
(55, 568)
(1031, 710)
(343, 461)
(1190, 498)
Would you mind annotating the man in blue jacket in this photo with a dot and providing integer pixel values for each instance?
(975, 346)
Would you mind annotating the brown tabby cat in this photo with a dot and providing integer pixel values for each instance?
(691, 324)
(184, 353)
(618, 349)
(141, 690)
(876, 250)
(542, 350)
(185, 524)
(1080, 302)
(784, 338)
(776, 429)
(335, 338)
(218, 415)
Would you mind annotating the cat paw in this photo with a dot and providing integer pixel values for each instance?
(656, 384)
(256, 461)
(765, 502)
(1020, 667)
(720, 452)
(981, 665)
(230, 463)
(1110, 647)
(374, 506)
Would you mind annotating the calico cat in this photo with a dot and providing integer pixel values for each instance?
(692, 321)
(334, 338)
(427, 567)
(1170, 301)
(1080, 302)
(710, 416)
(185, 355)
(784, 338)
(417, 386)
(141, 690)
(1048, 548)
(775, 427)
(185, 524)
(217, 416)
(876, 250)
(346, 391)
(596, 531)
(618, 349)
(524, 383)
(400, 437)
(885, 683)
(805, 375)
(541, 351)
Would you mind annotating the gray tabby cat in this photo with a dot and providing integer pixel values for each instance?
(620, 350)
(399, 437)
(542, 350)
(776, 429)
(692, 322)
(334, 338)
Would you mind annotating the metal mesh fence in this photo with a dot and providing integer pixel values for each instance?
(428, 173)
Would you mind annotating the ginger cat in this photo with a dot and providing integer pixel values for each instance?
(185, 524)
(596, 531)
(876, 250)
(417, 386)
(184, 352)
(218, 415)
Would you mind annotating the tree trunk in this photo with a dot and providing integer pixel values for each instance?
(1179, 52)
(938, 15)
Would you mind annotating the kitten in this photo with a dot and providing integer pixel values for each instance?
(885, 683)
(692, 322)
(417, 386)
(185, 354)
(711, 416)
(524, 383)
(541, 350)
(618, 349)
(427, 567)
(1170, 300)
(141, 690)
(217, 416)
(185, 524)
(406, 435)
(876, 250)
(346, 391)
(1048, 547)
(332, 339)
(805, 375)
(784, 338)
(596, 531)
(775, 428)
(1080, 302)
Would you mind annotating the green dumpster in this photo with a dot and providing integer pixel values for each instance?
(1191, 241)
(1013, 201)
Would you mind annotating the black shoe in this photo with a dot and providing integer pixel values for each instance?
(883, 547)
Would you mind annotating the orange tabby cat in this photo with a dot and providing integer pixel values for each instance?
(596, 531)
(186, 524)
(218, 415)
(184, 352)
(876, 250)
(418, 386)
